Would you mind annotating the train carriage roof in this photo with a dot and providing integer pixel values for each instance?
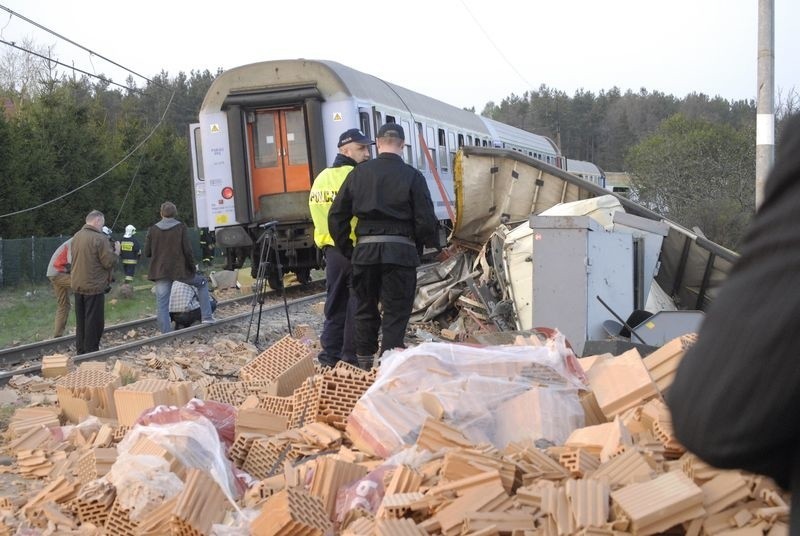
(335, 82)
(581, 166)
(517, 136)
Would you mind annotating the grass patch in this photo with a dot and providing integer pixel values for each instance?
(28, 311)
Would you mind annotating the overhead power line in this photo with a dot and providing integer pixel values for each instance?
(491, 42)
(103, 174)
(68, 40)
(104, 79)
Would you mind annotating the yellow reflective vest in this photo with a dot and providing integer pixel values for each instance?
(320, 199)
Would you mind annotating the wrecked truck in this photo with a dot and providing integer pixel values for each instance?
(534, 247)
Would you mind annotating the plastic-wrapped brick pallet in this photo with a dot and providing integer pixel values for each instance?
(495, 394)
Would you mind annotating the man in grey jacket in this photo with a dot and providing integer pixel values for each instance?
(171, 259)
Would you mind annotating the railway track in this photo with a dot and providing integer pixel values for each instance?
(135, 334)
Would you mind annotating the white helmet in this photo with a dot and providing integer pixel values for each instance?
(129, 231)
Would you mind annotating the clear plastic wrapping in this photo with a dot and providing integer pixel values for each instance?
(494, 394)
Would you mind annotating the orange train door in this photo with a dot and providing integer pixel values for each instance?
(278, 153)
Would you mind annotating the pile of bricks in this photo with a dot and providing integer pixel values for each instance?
(623, 473)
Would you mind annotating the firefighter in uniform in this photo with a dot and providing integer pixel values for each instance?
(396, 220)
(338, 336)
(130, 251)
(207, 246)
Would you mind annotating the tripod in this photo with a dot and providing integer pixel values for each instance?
(268, 245)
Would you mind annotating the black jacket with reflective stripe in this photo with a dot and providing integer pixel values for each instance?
(389, 197)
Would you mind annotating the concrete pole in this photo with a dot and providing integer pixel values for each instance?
(765, 104)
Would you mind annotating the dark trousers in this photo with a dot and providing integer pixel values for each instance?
(392, 286)
(89, 321)
(130, 271)
(338, 331)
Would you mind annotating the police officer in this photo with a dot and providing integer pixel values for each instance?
(337, 337)
(395, 220)
(130, 251)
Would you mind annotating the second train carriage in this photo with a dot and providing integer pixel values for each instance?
(267, 129)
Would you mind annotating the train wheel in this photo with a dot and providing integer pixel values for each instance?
(303, 275)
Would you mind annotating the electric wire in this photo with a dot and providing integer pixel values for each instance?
(494, 45)
(106, 172)
(68, 40)
(90, 51)
(130, 187)
(102, 78)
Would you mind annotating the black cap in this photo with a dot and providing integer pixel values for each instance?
(391, 130)
(354, 136)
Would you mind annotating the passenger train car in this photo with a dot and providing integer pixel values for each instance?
(267, 129)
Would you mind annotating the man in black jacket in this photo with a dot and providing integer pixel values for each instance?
(395, 220)
(736, 398)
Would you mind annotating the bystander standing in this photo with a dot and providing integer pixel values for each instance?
(171, 259)
(58, 272)
(93, 260)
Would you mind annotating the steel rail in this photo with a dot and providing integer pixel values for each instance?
(163, 338)
(13, 355)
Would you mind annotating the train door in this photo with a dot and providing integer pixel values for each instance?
(365, 123)
(278, 153)
(198, 177)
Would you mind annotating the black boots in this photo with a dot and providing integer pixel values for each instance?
(365, 362)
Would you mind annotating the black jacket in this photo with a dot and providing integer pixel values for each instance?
(170, 251)
(736, 398)
(389, 197)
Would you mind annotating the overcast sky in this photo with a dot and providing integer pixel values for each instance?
(464, 52)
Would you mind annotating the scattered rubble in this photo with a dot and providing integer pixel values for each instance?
(444, 439)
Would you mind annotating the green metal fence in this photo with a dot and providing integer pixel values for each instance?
(25, 260)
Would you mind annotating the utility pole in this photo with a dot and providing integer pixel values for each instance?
(765, 104)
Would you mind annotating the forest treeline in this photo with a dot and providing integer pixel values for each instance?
(59, 131)
(691, 159)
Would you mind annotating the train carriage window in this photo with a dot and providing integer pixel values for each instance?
(390, 119)
(198, 151)
(365, 128)
(484, 143)
(469, 139)
(296, 137)
(430, 140)
(266, 149)
(407, 149)
(363, 118)
(378, 120)
(460, 141)
(442, 150)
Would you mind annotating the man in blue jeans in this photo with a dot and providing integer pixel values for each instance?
(171, 259)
